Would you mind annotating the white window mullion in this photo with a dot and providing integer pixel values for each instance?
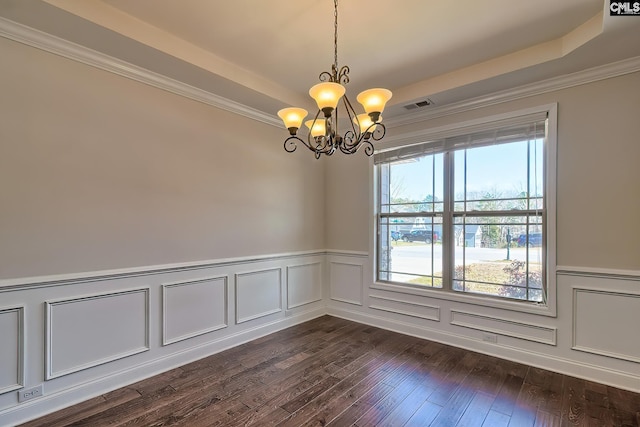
(448, 233)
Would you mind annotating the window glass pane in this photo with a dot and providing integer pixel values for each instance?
(492, 258)
(384, 246)
(383, 195)
(536, 263)
(413, 185)
(497, 170)
(411, 251)
(495, 230)
(536, 203)
(459, 180)
(536, 172)
(492, 178)
(438, 175)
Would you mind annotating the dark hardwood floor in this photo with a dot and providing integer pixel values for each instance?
(334, 372)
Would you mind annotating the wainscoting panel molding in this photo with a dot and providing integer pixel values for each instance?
(11, 349)
(258, 294)
(97, 317)
(413, 309)
(506, 327)
(79, 335)
(346, 282)
(92, 330)
(304, 284)
(194, 307)
(606, 323)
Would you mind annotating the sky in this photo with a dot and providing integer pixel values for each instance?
(496, 167)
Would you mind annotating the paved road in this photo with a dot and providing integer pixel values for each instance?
(417, 259)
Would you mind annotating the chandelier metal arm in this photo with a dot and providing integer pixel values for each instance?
(329, 140)
(343, 75)
(290, 143)
(319, 144)
(352, 149)
(335, 75)
(352, 140)
(325, 76)
(351, 112)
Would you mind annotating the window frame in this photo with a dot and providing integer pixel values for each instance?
(413, 141)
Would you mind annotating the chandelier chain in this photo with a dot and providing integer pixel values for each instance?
(335, 34)
(323, 136)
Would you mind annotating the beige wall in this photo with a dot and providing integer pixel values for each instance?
(98, 171)
(598, 206)
(348, 198)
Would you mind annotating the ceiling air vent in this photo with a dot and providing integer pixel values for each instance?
(419, 104)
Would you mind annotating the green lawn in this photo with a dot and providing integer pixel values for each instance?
(493, 275)
(480, 272)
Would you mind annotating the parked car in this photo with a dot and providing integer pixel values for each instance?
(426, 236)
(395, 235)
(535, 239)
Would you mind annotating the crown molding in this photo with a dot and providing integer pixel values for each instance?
(590, 75)
(61, 47)
(49, 43)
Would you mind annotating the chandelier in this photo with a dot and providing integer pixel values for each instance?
(323, 136)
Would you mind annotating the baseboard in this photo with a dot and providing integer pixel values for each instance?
(552, 363)
(56, 401)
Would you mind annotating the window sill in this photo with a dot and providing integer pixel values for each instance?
(522, 307)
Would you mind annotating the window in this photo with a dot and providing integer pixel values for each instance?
(468, 213)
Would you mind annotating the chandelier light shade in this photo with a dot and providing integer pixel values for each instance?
(364, 122)
(292, 118)
(323, 136)
(317, 128)
(327, 95)
(374, 100)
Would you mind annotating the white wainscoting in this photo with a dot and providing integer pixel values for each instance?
(193, 307)
(346, 281)
(408, 308)
(304, 284)
(11, 349)
(594, 334)
(91, 330)
(505, 327)
(607, 323)
(605, 314)
(76, 347)
(258, 294)
(81, 335)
